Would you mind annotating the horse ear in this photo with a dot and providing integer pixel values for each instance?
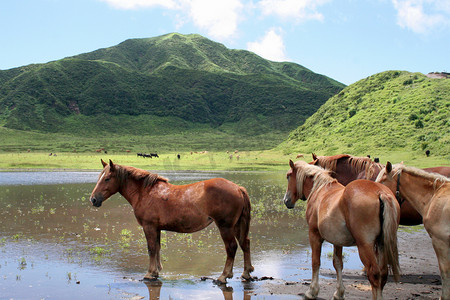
(314, 156)
(388, 167)
(291, 164)
(103, 163)
(112, 167)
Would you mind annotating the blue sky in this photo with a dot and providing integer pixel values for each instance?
(346, 40)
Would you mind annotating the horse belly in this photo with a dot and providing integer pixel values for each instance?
(335, 231)
(187, 223)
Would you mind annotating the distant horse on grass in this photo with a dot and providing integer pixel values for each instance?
(159, 205)
(363, 213)
(346, 168)
(430, 195)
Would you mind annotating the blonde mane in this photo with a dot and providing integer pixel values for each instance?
(149, 179)
(320, 177)
(437, 179)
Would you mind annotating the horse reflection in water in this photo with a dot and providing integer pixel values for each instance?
(159, 205)
(154, 290)
(363, 213)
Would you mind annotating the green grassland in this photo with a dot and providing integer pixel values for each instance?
(393, 111)
(265, 160)
(196, 138)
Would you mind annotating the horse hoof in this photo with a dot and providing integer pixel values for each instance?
(151, 277)
(246, 276)
(308, 296)
(220, 281)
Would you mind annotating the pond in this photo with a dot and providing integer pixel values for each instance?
(55, 245)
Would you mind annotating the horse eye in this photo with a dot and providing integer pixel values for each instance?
(107, 179)
(287, 177)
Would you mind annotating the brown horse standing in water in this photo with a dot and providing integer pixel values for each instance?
(159, 205)
(363, 213)
(346, 168)
(430, 195)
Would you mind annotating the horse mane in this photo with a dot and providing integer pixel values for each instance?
(149, 179)
(433, 177)
(321, 177)
(330, 162)
(359, 164)
(364, 164)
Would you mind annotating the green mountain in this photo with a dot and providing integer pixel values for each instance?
(393, 110)
(162, 85)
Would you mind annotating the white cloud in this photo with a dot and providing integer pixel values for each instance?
(300, 10)
(135, 4)
(219, 18)
(271, 46)
(412, 15)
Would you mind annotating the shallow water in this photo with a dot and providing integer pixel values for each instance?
(55, 245)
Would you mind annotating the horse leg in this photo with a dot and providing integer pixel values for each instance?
(151, 235)
(315, 242)
(443, 255)
(244, 243)
(241, 230)
(369, 260)
(230, 246)
(338, 265)
(158, 251)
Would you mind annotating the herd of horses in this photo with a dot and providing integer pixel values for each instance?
(350, 201)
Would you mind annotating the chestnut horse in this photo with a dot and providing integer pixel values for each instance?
(159, 205)
(363, 213)
(346, 168)
(430, 195)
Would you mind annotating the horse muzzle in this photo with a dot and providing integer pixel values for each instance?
(288, 202)
(96, 201)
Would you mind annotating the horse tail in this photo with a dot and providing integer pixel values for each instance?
(243, 224)
(387, 242)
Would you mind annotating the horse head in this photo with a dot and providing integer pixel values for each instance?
(107, 184)
(387, 177)
(291, 196)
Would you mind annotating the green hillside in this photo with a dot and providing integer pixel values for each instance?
(160, 86)
(389, 111)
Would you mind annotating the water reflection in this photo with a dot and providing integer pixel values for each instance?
(51, 238)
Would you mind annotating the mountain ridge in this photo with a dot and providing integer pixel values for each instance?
(181, 76)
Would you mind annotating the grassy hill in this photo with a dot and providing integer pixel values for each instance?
(162, 86)
(390, 111)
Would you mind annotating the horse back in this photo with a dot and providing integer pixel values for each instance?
(440, 170)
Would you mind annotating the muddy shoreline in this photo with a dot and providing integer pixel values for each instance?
(420, 275)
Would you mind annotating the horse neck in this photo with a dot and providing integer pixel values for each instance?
(344, 173)
(311, 194)
(131, 190)
(417, 190)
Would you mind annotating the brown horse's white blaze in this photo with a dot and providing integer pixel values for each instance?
(429, 194)
(363, 213)
(159, 205)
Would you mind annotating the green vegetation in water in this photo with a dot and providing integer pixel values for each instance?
(99, 251)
